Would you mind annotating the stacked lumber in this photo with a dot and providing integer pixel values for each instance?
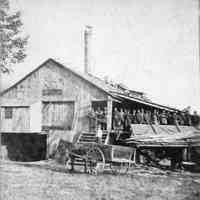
(164, 136)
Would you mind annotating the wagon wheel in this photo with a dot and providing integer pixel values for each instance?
(95, 160)
(121, 168)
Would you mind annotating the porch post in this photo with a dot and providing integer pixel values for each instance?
(47, 145)
(0, 132)
(109, 114)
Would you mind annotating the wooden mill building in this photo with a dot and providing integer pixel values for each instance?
(50, 101)
(53, 102)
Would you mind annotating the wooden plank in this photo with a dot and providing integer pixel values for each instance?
(55, 100)
(24, 132)
(20, 120)
(13, 105)
(122, 154)
(36, 117)
(109, 114)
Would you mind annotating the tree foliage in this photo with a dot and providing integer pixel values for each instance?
(12, 42)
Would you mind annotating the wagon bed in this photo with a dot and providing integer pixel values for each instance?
(100, 157)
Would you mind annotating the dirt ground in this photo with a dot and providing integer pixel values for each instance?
(43, 181)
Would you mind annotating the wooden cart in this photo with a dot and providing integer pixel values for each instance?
(100, 157)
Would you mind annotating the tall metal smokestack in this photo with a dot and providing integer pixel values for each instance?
(87, 49)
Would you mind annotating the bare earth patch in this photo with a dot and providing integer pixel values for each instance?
(35, 182)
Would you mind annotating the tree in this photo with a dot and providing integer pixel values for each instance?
(12, 42)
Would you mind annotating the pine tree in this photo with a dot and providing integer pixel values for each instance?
(12, 42)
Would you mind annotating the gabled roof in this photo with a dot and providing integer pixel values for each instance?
(87, 77)
(114, 91)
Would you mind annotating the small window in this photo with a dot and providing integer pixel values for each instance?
(8, 113)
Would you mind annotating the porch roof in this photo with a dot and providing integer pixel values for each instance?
(144, 101)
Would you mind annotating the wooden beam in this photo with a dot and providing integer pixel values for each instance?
(98, 100)
(23, 132)
(57, 100)
(109, 114)
(14, 106)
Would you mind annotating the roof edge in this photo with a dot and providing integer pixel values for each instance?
(60, 65)
(27, 75)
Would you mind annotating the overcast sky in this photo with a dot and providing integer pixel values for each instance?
(149, 45)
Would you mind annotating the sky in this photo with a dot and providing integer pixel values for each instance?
(148, 45)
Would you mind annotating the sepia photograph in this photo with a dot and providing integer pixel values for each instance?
(100, 99)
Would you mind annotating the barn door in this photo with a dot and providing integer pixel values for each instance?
(57, 115)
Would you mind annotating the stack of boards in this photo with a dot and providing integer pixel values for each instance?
(164, 136)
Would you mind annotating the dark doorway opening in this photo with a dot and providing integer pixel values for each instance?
(24, 146)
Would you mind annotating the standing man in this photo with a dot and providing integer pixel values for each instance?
(155, 118)
(99, 134)
(163, 118)
(127, 120)
(138, 117)
(99, 116)
(133, 117)
(92, 119)
(195, 119)
(122, 114)
(117, 122)
(147, 115)
(116, 118)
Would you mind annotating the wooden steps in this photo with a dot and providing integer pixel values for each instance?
(91, 137)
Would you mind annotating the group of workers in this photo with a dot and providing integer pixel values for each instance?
(98, 118)
(123, 118)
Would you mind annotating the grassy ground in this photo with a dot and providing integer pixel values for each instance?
(46, 181)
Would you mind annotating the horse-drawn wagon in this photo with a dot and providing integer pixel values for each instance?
(97, 158)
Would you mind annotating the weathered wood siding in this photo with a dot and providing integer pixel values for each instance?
(64, 85)
(51, 83)
(58, 115)
(19, 122)
(58, 84)
(24, 93)
(36, 117)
